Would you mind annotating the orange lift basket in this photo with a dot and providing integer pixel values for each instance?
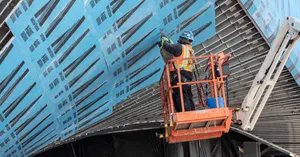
(204, 123)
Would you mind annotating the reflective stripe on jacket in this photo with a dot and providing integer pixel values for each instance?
(186, 65)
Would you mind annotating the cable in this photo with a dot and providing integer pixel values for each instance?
(197, 75)
(227, 96)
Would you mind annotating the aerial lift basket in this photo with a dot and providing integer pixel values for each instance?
(205, 123)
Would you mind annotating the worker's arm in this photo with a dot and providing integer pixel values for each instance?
(174, 49)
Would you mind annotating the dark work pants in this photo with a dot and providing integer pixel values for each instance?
(186, 92)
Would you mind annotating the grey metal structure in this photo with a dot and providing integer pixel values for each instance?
(7, 7)
(262, 141)
(5, 37)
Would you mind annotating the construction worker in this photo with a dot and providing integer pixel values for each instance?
(183, 49)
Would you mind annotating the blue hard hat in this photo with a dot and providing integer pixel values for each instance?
(188, 35)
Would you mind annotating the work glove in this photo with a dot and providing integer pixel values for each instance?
(164, 39)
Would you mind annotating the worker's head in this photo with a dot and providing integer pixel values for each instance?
(186, 37)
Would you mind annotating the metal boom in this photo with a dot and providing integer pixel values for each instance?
(268, 74)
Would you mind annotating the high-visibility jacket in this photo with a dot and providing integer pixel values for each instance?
(186, 65)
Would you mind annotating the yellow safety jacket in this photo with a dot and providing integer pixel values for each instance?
(187, 65)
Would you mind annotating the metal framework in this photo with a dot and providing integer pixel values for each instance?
(8, 7)
(268, 74)
(199, 124)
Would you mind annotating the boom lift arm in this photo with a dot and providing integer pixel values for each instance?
(268, 74)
